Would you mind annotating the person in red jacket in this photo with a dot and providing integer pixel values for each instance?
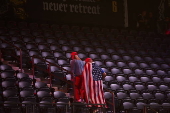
(77, 66)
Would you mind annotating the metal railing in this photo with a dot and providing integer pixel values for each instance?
(20, 50)
(155, 108)
(113, 100)
(48, 69)
(32, 107)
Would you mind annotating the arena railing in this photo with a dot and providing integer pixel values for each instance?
(20, 50)
(155, 108)
(68, 107)
(34, 107)
(113, 100)
(48, 69)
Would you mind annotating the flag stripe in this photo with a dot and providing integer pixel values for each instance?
(97, 92)
(93, 89)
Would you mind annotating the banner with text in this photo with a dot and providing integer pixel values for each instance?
(97, 12)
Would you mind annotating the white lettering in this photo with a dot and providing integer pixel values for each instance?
(45, 5)
(65, 7)
(93, 10)
(60, 7)
(89, 10)
(98, 9)
(80, 7)
(50, 6)
(84, 9)
(76, 8)
(71, 8)
(55, 7)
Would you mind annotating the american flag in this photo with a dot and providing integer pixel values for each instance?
(93, 85)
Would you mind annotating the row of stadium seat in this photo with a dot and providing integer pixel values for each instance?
(135, 62)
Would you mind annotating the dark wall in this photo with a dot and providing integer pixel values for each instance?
(135, 7)
(93, 12)
(97, 12)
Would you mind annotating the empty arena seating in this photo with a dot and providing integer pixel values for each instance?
(137, 63)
